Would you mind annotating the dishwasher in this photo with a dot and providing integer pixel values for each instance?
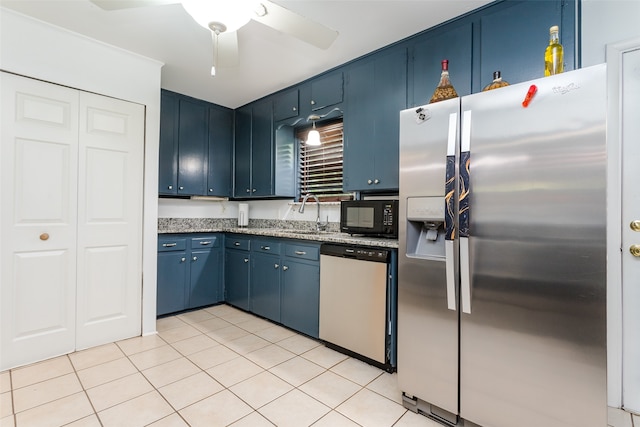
(357, 296)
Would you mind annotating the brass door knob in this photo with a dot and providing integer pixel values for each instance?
(635, 225)
(635, 250)
(44, 236)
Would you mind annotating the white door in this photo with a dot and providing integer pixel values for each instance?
(630, 153)
(110, 181)
(39, 158)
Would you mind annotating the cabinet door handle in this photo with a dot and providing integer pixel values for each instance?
(276, 265)
(208, 242)
(246, 260)
(170, 187)
(294, 109)
(211, 190)
(300, 253)
(236, 243)
(180, 188)
(369, 182)
(313, 102)
(195, 258)
(44, 236)
(248, 191)
(285, 268)
(169, 245)
(253, 191)
(183, 259)
(265, 248)
(376, 181)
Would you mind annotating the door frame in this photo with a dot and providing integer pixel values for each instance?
(615, 325)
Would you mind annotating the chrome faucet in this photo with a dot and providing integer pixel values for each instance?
(319, 225)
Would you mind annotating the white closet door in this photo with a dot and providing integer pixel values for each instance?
(39, 156)
(109, 220)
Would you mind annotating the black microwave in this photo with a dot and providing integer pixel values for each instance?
(369, 217)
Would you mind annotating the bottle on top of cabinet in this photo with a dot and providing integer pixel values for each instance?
(445, 89)
(496, 83)
(553, 55)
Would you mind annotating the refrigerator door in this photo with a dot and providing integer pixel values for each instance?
(427, 302)
(533, 330)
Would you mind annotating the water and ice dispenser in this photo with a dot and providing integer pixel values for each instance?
(425, 227)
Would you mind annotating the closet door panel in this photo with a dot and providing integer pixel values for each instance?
(109, 220)
(38, 162)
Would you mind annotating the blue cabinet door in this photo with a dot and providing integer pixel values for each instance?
(513, 36)
(172, 278)
(205, 277)
(286, 105)
(242, 155)
(262, 149)
(265, 285)
(237, 278)
(219, 181)
(376, 92)
(327, 90)
(452, 42)
(301, 296)
(192, 148)
(168, 156)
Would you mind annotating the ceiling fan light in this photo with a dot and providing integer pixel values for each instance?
(313, 137)
(232, 14)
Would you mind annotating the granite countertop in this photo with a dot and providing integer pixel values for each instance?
(301, 230)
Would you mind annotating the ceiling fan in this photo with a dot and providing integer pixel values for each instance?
(224, 17)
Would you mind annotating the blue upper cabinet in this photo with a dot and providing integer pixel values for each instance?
(513, 35)
(286, 105)
(326, 91)
(168, 158)
(264, 161)
(452, 42)
(376, 91)
(262, 151)
(196, 139)
(219, 182)
(192, 148)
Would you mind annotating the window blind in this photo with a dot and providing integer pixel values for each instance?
(320, 167)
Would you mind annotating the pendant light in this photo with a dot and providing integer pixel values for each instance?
(313, 137)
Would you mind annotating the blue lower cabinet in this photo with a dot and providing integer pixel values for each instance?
(278, 279)
(189, 272)
(265, 285)
(300, 300)
(172, 277)
(206, 277)
(237, 278)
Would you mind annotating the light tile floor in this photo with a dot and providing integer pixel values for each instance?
(217, 366)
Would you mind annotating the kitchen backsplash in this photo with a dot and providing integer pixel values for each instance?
(283, 210)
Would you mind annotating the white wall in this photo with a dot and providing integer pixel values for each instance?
(36, 49)
(607, 21)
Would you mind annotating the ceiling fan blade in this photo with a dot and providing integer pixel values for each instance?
(228, 49)
(298, 26)
(128, 4)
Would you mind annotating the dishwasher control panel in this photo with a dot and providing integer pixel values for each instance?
(355, 252)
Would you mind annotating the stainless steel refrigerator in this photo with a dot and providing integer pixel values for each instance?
(502, 265)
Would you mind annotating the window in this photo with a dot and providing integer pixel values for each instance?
(320, 167)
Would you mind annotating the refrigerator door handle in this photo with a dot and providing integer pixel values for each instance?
(464, 212)
(465, 282)
(450, 227)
